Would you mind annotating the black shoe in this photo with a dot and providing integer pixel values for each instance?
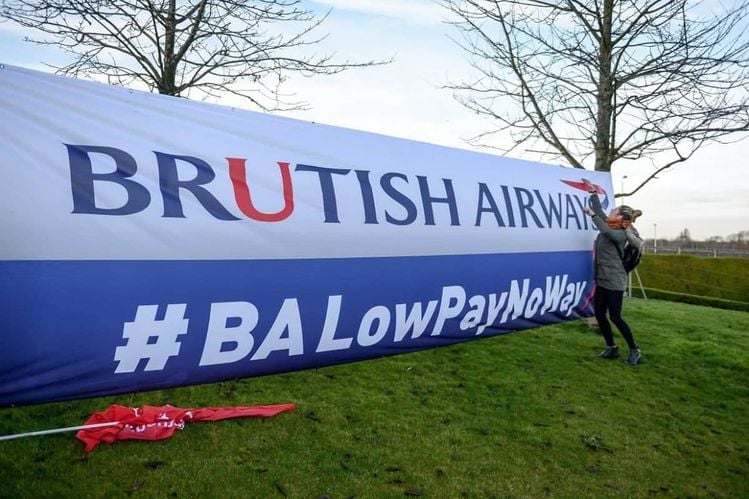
(634, 357)
(610, 353)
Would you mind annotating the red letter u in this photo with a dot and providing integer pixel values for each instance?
(244, 200)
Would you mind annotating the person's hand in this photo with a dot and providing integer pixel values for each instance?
(588, 211)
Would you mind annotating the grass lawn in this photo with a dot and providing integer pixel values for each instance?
(713, 282)
(531, 414)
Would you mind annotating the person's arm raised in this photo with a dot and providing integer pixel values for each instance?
(596, 211)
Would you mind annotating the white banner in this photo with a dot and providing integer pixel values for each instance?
(152, 241)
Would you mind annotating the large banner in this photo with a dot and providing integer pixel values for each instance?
(151, 241)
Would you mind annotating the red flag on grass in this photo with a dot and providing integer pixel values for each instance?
(157, 423)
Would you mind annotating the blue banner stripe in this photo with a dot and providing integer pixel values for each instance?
(65, 333)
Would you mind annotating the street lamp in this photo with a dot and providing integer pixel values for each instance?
(623, 178)
(655, 239)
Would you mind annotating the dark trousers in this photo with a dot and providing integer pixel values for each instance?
(608, 300)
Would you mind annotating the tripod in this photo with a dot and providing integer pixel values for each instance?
(639, 281)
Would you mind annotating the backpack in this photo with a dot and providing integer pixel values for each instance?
(631, 257)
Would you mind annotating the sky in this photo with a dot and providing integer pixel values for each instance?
(708, 194)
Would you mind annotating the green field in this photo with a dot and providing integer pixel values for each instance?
(714, 282)
(531, 414)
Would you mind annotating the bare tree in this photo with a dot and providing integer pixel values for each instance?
(739, 237)
(599, 81)
(196, 47)
(684, 236)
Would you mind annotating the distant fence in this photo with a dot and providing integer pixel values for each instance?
(706, 252)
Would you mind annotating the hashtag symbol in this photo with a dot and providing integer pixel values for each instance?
(152, 339)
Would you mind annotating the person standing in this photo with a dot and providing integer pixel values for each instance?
(611, 278)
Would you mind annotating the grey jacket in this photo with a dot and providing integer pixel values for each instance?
(610, 272)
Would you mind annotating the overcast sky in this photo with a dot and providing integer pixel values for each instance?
(709, 194)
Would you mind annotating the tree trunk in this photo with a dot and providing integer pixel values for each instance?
(605, 95)
(168, 85)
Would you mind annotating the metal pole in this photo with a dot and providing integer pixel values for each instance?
(629, 283)
(58, 430)
(642, 288)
